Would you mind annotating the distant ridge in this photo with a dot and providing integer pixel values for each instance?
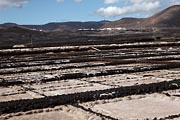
(68, 25)
(53, 26)
(13, 26)
(8, 25)
(169, 17)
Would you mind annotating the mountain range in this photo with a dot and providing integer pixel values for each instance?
(167, 18)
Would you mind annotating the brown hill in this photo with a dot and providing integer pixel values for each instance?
(169, 17)
(166, 18)
(124, 22)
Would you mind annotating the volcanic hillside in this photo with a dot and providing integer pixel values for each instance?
(124, 22)
(166, 18)
(67, 25)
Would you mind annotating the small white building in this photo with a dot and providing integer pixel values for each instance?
(110, 29)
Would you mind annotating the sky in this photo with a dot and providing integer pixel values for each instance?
(45, 11)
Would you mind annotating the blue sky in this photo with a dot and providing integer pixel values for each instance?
(44, 11)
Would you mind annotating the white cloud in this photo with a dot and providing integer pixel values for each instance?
(137, 6)
(12, 3)
(110, 1)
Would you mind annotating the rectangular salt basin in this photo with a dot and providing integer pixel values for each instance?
(58, 113)
(159, 106)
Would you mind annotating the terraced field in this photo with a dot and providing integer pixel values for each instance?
(129, 81)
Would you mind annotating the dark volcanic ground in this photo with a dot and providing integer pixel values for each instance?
(16, 35)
